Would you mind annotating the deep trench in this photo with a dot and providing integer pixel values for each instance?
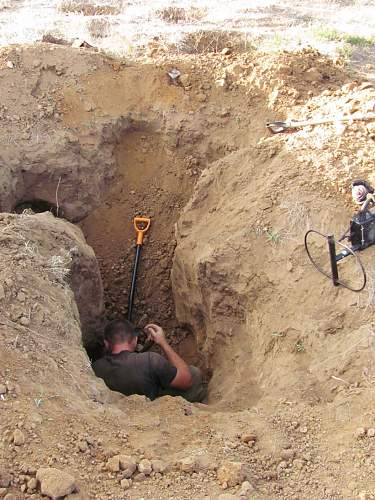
(155, 184)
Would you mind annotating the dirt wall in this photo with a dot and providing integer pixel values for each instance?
(267, 321)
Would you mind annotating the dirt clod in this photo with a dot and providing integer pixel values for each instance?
(55, 483)
(230, 474)
(18, 437)
(125, 484)
(145, 467)
(159, 466)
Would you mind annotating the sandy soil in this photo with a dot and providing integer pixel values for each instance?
(127, 27)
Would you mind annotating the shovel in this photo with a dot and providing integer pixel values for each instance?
(278, 127)
(141, 225)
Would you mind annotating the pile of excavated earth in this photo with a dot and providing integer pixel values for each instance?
(87, 143)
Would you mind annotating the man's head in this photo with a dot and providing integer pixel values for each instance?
(120, 335)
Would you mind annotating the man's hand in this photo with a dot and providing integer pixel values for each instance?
(156, 334)
(183, 379)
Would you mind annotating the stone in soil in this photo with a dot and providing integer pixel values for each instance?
(55, 483)
(230, 474)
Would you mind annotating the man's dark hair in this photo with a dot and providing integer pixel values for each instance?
(119, 330)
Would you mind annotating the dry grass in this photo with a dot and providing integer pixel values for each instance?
(90, 9)
(204, 41)
(99, 27)
(5, 5)
(174, 15)
(297, 215)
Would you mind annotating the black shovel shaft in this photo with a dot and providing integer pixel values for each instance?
(134, 282)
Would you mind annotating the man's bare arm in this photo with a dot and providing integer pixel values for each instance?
(183, 379)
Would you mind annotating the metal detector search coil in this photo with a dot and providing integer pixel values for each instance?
(334, 259)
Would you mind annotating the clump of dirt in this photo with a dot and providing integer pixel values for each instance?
(223, 270)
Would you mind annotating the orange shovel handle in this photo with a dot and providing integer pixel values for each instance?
(141, 225)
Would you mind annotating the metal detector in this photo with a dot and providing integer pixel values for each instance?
(361, 235)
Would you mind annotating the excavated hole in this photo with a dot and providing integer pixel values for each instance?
(38, 206)
(154, 182)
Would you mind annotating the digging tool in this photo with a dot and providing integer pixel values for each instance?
(361, 235)
(278, 126)
(141, 225)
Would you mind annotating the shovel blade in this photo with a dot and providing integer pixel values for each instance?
(277, 127)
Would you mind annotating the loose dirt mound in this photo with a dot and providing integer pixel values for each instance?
(290, 356)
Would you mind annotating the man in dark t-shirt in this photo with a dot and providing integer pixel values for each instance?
(148, 373)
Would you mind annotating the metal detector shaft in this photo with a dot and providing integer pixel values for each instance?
(134, 282)
(332, 257)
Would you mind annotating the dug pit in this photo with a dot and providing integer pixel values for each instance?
(156, 181)
(291, 357)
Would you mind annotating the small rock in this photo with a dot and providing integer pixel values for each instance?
(10, 386)
(139, 477)
(226, 51)
(360, 432)
(249, 436)
(18, 437)
(230, 474)
(89, 107)
(222, 82)
(185, 80)
(113, 464)
(187, 464)
(127, 465)
(83, 446)
(349, 86)
(5, 479)
(313, 75)
(371, 433)
(201, 97)
(36, 63)
(10, 65)
(125, 484)
(25, 321)
(145, 467)
(159, 466)
(224, 113)
(32, 484)
(3, 389)
(55, 483)
(205, 462)
(298, 463)
(303, 430)
(3, 492)
(245, 489)
(287, 454)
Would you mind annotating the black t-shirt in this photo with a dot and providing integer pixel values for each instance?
(135, 373)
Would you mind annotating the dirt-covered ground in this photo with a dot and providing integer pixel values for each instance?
(291, 395)
(334, 27)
